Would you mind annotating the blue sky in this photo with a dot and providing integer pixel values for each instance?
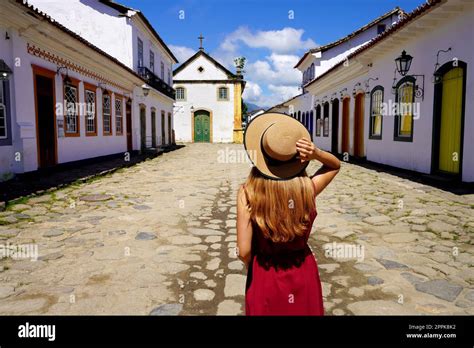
(262, 31)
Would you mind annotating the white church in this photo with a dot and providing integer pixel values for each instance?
(208, 104)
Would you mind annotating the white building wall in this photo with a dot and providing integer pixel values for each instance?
(455, 33)
(105, 28)
(23, 114)
(7, 162)
(323, 61)
(325, 142)
(210, 72)
(97, 23)
(415, 155)
(204, 96)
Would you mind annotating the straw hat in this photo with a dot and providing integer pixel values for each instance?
(270, 141)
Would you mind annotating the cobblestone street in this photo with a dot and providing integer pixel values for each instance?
(159, 238)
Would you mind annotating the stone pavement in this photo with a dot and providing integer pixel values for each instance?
(159, 238)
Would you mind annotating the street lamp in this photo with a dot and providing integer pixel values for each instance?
(145, 89)
(403, 63)
(5, 70)
(66, 79)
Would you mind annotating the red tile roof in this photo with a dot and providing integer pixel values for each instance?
(79, 38)
(396, 10)
(420, 10)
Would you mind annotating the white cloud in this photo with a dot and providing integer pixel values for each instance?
(253, 94)
(275, 69)
(281, 41)
(182, 53)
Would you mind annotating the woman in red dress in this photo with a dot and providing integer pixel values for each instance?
(275, 211)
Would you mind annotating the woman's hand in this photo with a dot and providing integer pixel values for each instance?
(306, 149)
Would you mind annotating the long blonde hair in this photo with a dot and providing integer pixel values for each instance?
(280, 208)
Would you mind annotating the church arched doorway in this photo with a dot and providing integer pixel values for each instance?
(202, 126)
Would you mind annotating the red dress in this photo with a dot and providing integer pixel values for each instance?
(283, 278)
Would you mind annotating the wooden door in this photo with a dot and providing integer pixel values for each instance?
(201, 127)
(143, 128)
(359, 125)
(450, 132)
(153, 129)
(170, 129)
(128, 116)
(335, 126)
(44, 90)
(163, 129)
(345, 125)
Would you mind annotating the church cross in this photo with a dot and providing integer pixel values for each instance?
(200, 42)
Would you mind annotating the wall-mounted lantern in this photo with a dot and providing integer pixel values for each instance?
(66, 79)
(403, 63)
(436, 77)
(402, 66)
(103, 86)
(129, 99)
(367, 85)
(342, 92)
(354, 89)
(5, 70)
(145, 89)
(191, 109)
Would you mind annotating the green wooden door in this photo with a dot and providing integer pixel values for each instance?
(202, 132)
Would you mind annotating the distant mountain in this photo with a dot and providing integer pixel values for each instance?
(252, 107)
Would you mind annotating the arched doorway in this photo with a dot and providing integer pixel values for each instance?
(142, 127)
(335, 126)
(153, 127)
(170, 129)
(345, 125)
(359, 125)
(202, 126)
(448, 118)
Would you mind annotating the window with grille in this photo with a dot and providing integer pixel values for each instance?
(106, 116)
(318, 121)
(376, 101)
(180, 93)
(3, 113)
(91, 124)
(118, 116)
(140, 52)
(326, 120)
(404, 119)
(152, 61)
(72, 117)
(223, 93)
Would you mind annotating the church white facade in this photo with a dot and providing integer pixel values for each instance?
(208, 101)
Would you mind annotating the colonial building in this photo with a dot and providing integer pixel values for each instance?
(401, 99)
(126, 34)
(318, 60)
(63, 99)
(404, 94)
(208, 101)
